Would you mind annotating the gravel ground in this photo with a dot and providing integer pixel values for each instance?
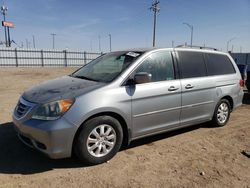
(199, 156)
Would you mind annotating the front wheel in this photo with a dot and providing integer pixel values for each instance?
(221, 113)
(99, 140)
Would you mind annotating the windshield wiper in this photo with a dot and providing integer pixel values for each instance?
(86, 78)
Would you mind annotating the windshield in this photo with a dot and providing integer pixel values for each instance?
(107, 67)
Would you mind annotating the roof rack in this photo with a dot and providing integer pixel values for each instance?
(198, 47)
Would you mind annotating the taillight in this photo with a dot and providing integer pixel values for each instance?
(241, 83)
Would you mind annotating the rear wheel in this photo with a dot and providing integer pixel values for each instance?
(99, 140)
(222, 113)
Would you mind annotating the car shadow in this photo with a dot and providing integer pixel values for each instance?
(150, 139)
(246, 98)
(16, 158)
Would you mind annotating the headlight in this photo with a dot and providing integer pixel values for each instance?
(53, 110)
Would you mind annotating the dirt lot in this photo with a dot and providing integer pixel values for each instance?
(200, 156)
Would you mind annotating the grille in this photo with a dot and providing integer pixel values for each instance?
(21, 109)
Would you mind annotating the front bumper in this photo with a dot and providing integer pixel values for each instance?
(53, 138)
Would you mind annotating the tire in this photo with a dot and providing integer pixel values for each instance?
(221, 113)
(99, 140)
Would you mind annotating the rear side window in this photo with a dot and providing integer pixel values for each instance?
(218, 64)
(191, 64)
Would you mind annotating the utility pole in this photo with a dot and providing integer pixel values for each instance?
(110, 42)
(34, 44)
(155, 8)
(53, 40)
(172, 43)
(4, 11)
(9, 42)
(192, 29)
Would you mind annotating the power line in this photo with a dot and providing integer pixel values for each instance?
(155, 8)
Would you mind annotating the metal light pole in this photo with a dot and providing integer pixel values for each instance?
(27, 43)
(91, 48)
(34, 44)
(155, 8)
(110, 42)
(229, 42)
(53, 39)
(192, 29)
(4, 11)
(99, 39)
(172, 43)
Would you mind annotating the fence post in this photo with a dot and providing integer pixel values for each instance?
(65, 58)
(16, 57)
(85, 57)
(42, 58)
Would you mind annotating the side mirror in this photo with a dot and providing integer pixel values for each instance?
(142, 77)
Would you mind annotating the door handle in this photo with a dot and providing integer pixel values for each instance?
(189, 86)
(172, 88)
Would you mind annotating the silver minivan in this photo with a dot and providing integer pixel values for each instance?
(125, 95)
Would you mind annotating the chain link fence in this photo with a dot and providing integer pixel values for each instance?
(19, 57)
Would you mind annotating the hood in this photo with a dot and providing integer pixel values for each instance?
(61, 88)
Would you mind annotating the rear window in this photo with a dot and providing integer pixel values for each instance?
(218, 64)
(191, 64)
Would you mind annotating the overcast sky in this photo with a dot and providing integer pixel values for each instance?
(78, 23)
